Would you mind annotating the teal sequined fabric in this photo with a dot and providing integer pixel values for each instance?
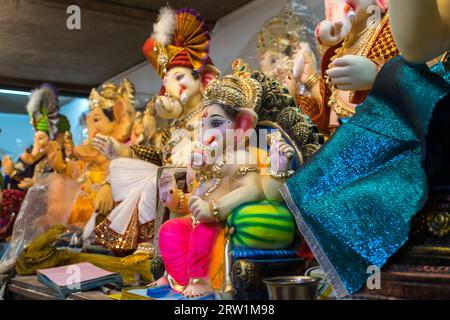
(354, 201)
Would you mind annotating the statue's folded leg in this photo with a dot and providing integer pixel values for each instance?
(201, 246)
(174, 240)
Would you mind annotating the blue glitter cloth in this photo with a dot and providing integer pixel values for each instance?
(354, 201)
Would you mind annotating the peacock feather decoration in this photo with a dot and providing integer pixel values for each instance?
(43, 109)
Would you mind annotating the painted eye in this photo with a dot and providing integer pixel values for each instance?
(180, 77)
(216, 123)
(274, 60)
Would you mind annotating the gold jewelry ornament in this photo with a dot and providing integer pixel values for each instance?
(311, 81)
(278, 33)
(283, 174)
(243, 171)
(234, 92)
(194, 221)
(206, 175)
(214, 208)
(339, 106)
(181, 201)
(110, 93)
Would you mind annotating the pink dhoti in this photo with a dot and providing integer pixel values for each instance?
(187, 250)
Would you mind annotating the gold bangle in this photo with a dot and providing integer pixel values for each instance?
(309, 83)
(283, 174)
(181, 199)
(243, 171)
(214, 207)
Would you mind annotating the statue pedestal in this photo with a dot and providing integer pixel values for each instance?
(421, 270)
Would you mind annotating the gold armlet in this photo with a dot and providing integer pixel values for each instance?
(283, 174)
(181, 201)
(243, 171)
(311, 81)
(214, 208)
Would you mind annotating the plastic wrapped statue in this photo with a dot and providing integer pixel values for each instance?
(227, 182)
(42, 197)
(357, 213)
(49, 124)
(358, 43)
(279, 40)
(179, 51)
(50, 127)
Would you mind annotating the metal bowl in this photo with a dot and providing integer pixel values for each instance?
(292, 288)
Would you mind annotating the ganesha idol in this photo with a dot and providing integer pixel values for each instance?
(357, 40)
(111, 113)
(49, 126)
(230, 195)
(179, 51)
(279, 40)
(386, 165)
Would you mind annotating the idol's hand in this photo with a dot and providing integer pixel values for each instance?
(168, 107)
(104, 202)
(55, 157)
(305, 64)
(8, 165)
(108, 146)
(281, 156)
(27, 158)
(26, 184)
(353, 73)
(200, 210)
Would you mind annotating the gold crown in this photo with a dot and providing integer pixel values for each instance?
(234, 92)
(279, 33)
(110, 93)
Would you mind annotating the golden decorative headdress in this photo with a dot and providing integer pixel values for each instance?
(180, 38)
(279, 34)
(234, 92)
(110, 93)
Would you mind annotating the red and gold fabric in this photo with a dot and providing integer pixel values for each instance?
(189, 46)
(380, 49)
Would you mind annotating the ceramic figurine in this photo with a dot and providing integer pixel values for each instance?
(111, 113)
(381, 165)
(360, 43)
(179, 51)
(50, 126)
(223, 184)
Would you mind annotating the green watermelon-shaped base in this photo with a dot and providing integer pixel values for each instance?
(261, 225)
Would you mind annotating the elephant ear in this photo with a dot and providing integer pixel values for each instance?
(124, 113)
(209, 73)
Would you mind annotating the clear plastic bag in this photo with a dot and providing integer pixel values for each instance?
(297, 21)
(48, 202)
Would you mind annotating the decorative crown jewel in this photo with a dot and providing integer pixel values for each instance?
(234, 92)
(180, 38)
(110, 93)
(278, 33)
